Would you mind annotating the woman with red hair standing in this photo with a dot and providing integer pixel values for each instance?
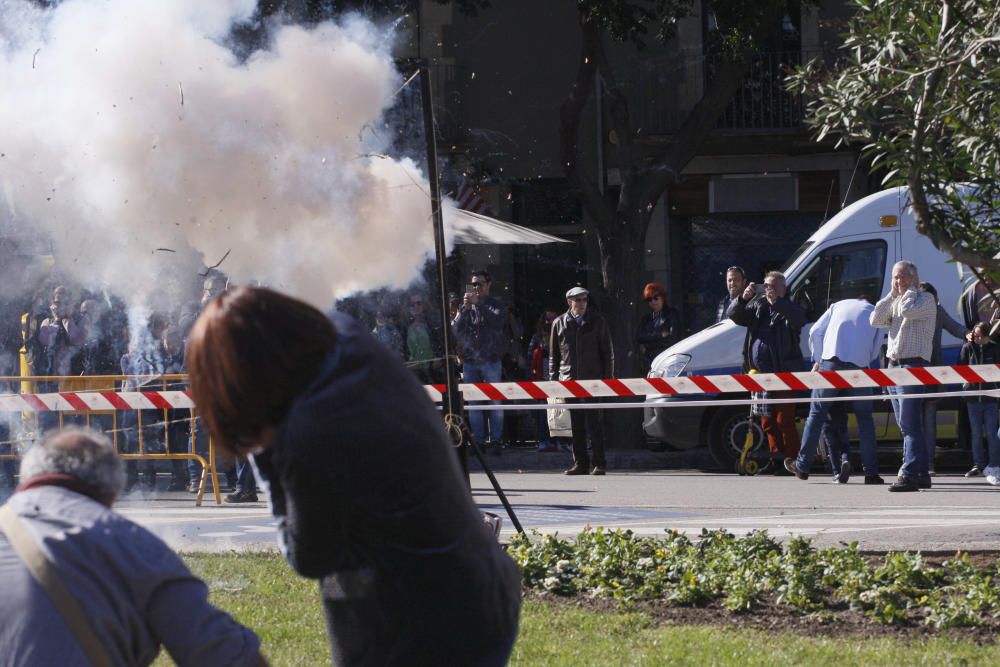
(660, 328)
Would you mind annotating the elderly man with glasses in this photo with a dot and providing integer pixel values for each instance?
(580, 349)
(479, 327)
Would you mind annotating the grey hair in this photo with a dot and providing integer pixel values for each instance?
(775, 274)
(909, 266)
(81, 453)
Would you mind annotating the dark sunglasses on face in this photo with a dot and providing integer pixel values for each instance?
(474, 284)
(653, 298)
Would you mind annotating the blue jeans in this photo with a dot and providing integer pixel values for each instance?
(930, 427)
(245, 480)
(818, 411)
(909, 416)
(983, 421)
(488, 371)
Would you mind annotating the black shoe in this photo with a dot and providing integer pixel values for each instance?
(793, 467)
(874, 479)
(768, 468)
(904, 486)
(845, 472)
(976, 471)
(578, 469)
(598, 470)
(242, 497)
(924, 483)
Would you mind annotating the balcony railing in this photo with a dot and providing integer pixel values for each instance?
(662, 91)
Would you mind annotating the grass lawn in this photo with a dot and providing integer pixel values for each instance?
(262, 592)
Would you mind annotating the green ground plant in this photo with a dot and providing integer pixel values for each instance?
(741, 573)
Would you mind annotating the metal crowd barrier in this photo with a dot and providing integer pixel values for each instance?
(30, 428)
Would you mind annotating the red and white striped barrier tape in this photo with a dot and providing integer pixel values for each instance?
(93, 401)
(721, 384)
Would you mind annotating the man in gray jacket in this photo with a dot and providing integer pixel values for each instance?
(580, 349)
(132, 593)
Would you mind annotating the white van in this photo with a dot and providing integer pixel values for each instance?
(852, 254)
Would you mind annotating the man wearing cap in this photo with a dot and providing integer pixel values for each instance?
(580, 349)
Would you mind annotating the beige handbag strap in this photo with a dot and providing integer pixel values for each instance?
(45, 574)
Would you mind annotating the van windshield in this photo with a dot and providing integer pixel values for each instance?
(795, 256)
(846, 271)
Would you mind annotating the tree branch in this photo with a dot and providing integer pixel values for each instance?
(570, 114)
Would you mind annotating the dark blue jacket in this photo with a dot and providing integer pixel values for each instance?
(371, 501)
(786, 353)
(479, 330)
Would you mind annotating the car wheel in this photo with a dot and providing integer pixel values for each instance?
(727, 433)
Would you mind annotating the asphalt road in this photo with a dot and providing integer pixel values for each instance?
(956, 514)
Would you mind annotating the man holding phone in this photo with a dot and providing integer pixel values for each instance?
(478, 327)
(773, 324)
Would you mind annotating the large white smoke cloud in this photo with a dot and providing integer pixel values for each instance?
(128, 126)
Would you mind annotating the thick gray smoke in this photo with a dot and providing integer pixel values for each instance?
(135, 139)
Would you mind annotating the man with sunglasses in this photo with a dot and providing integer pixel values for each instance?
(479, 327)
(580, 349)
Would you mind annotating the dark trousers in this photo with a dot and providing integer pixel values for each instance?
(587, 424)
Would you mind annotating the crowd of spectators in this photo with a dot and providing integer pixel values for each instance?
(71, 335)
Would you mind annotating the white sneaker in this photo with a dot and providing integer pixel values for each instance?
(992, 475)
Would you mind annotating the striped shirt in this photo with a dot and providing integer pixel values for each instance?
(910, 318)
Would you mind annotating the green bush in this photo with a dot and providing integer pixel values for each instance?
(741, 573)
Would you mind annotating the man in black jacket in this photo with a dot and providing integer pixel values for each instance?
(580, 349)
(773, 324)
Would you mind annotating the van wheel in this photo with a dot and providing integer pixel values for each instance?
(727, 433)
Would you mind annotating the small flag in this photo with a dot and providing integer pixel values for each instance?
(469, 199)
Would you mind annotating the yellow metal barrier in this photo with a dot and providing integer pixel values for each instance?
(29, 428)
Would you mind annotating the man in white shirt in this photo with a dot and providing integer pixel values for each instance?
(842, 339)
(910, 315)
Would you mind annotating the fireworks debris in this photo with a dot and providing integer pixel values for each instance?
(216, 265)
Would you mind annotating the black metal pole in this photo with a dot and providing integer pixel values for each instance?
(452, 399)
(453, 406)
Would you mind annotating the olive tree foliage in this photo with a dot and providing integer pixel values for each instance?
(917, 86)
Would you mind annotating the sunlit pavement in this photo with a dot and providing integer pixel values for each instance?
(956, 514)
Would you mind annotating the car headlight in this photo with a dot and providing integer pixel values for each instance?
(672, 366)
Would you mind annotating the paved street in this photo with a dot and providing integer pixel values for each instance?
(956, 513)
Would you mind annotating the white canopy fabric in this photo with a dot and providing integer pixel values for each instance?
(467, 228)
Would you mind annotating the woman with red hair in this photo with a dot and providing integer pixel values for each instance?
(660, 328)
(363, 480)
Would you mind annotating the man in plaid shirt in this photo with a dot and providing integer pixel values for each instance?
(910, 316)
